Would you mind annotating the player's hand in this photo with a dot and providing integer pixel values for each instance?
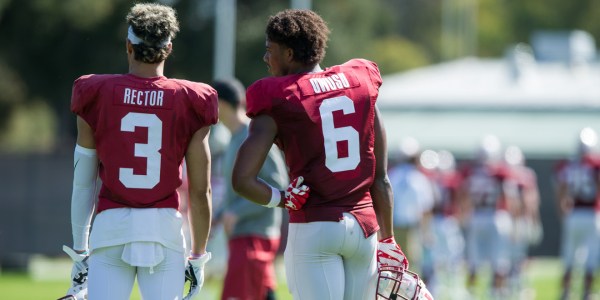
(194, 273)
(79, 274)
(389, 254)
(296, 194)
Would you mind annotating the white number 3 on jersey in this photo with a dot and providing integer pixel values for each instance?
(149, 151)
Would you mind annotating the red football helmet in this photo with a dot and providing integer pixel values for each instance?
(395, 283)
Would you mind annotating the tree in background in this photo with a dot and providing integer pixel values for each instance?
(46, 44)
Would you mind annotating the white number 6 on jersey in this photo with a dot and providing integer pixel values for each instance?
(333, 135)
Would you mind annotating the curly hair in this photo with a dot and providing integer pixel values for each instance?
(154, 24)
(304, 31)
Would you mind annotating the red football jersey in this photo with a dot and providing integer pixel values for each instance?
(142, 128)
(486, 185)
(448, 185)
(580, 178)
(325, 123)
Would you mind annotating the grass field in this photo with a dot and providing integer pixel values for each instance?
(46, 280)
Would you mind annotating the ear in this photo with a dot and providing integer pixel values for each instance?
(289, 54)
(128, 46)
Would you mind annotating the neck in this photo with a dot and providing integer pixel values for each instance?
(144, 70)
(305, 69)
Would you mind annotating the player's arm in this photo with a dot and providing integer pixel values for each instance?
(381, 190)
(83, 198)
(83, 202)
(564, 199)
(532, 198)
(200, 196)
(389, 252)
(249, 161)
(464, 207)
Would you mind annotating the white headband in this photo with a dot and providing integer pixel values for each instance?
(134, 39)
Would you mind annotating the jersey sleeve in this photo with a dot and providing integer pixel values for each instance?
(206, 105)
(373, 70)
(257, 100)
(82, 97)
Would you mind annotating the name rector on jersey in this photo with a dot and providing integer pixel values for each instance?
(134, 131)
(329, 129)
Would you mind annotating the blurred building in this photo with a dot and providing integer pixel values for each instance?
(537, 97)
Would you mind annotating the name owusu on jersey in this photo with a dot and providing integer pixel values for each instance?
(334, 82)
(143, 98)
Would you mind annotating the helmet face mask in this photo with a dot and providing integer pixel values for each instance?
(394, 283)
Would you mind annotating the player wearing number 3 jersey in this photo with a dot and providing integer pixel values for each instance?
(329, 129)
(134, 130)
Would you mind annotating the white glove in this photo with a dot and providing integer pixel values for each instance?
(389, 254)
(194, 273)
(79, 274)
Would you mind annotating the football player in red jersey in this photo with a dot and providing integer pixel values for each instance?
(447, 241)
(134, 131)
(327, 124)
(527, 228)
(490, 196)
(577, 185)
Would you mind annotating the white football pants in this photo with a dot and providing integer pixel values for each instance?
(111, 278)
(488, 240)
(580, 231)
(330, 261)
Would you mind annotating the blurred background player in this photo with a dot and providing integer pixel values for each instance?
(253, 230)
(577, 195)
(413, 199)
(527, 227)
(490, 195)
(441, 269)
(134, 130)
(328, 126)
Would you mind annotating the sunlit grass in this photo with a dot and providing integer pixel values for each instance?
(542, 276)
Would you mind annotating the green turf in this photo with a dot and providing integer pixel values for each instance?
(20, 286)
(542, 275)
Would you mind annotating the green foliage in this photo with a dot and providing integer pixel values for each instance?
(250, 40)
(395, 54)
(11, 85)
(49, 43)
(495, 32)
(31, 126)
(352, 24)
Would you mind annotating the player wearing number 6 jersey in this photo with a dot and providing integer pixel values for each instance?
(134, 131)
(329, 129)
